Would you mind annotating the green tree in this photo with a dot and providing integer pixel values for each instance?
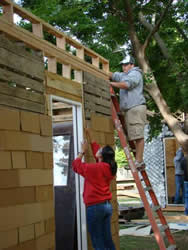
(155, 33)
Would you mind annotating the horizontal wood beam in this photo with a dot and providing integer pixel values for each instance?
(50, 29)
(60, 105)
(49, 49)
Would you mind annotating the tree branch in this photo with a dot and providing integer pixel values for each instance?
(160, 42)
(157, 26)
(134, 39)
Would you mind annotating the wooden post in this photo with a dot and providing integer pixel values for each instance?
(61, 42)
(95, 61)
(8, 12)
(78, 75)
(37, 29)
(105, 67)
(80, 53)
(67, 70)
(52, 64)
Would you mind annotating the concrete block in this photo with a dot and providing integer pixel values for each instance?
(12, 140)
(16, 196)
(9, 119)
(39, 229)
(46, 125)
(18, 159)
(26, 233)
(48, 160)
(8, 238)
(18, 216)
(44, 193)
(30, 122)
(34, 160)
(25, 178)
(5, 162)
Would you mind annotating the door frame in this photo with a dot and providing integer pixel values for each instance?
(79, 180)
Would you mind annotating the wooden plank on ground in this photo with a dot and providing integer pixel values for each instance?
(22, 80)
(176, 218)
(22, 93)
(21, 104)
(173, 208)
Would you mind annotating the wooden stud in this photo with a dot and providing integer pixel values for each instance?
(52, 64)
(80, 53)
(61, 42)
(105, 67)
(95, 61)
(37, 29)
(78, 74)
(8, 12)
(67, 70)
(50, 50)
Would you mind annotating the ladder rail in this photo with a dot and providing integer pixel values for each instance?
(122, 137)
(119, 123)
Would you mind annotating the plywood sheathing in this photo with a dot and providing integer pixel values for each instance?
(26, 181)
(171, 147)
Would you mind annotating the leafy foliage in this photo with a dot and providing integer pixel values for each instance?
(120, 158)
(102, 26)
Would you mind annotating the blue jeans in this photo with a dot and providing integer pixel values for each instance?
(99, 226)
(179, 180)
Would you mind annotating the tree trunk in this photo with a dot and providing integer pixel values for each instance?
(152, 88)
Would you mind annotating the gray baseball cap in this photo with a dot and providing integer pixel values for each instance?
(128, 60)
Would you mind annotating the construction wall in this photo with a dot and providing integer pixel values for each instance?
(26, 183)
(26, 174)
(97, 107)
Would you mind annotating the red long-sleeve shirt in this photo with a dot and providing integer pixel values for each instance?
(97, 179)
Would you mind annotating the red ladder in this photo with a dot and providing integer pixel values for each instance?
(120, 126)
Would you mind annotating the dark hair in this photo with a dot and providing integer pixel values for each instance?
(108, 156)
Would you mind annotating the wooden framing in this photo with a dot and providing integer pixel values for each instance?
(63, 85)
(57, 52)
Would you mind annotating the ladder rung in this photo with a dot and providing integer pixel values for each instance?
(155, 208)
(142, 176)
(148, 188)
(172, 247)
(163, 228)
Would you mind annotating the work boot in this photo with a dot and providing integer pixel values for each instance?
(140, 165)
(186, 197)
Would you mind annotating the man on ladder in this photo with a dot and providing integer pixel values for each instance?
(132, 103)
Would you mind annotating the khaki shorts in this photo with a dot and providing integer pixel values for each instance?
(135, 120)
